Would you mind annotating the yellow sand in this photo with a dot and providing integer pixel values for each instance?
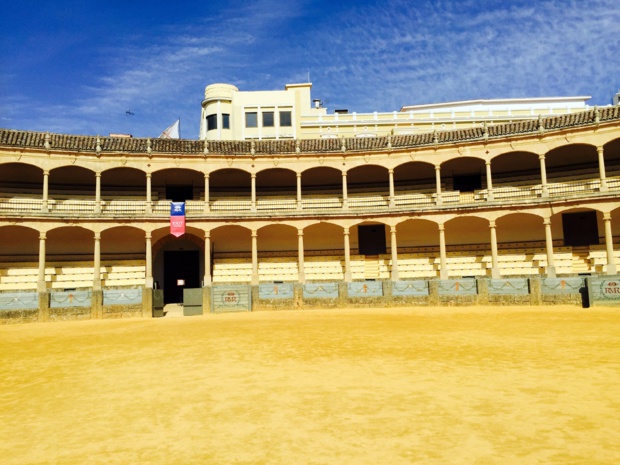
(398, 386)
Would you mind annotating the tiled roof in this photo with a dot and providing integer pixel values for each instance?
(13, 138)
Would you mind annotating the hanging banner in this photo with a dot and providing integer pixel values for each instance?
(177, 218)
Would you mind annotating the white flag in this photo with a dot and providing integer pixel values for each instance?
(171, 132)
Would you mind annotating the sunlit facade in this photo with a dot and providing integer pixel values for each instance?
(538, 197)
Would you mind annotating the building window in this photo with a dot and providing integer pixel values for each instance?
(225, 121)
(285, 118)
(268, 119)
(251, 120)
(211, 122)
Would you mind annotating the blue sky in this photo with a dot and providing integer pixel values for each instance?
(77, 66)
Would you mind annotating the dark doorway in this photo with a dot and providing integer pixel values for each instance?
(371, 239)
(580, 228)
(180, 265)
(179, 193)
(467, 183)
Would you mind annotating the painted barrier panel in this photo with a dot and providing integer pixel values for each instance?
(465, 286)
(275, 291)
(563, 285)
(509, 286)
(128, 296)
(408, 288)
(18, 301)
(231, 298)
(320, 291)
(65, 299)
(192, 302)
(365, 289)
(604, 291)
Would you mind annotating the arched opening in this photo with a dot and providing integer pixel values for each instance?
(178, 184)
(231, 254)
(324, 252)
(611, 153)
(21, 180)
(123, 256)
(69, 256)
(321, 188)
(464, 174)
(521, 245)
(571, 163)
(468, 248)
(368, 186)
(277, 253)
(178, 263)
(19, 250)
(230, 188)
(418, 246)
(515, 169)
(276, 189)
(369, 257)
(123, 183)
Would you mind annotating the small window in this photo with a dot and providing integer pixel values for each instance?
(251, 120)
(285, 118)
(268, 119)
(225, 121)
(211, 122)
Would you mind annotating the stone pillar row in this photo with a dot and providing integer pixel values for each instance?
(207, 279)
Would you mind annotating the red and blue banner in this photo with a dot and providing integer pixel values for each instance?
(177, 218)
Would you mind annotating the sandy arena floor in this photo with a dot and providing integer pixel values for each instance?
(399, 386)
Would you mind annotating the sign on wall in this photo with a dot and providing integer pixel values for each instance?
(604, 291)
(231, 298)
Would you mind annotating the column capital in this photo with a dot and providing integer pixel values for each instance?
(207, 175)
(97, 174)
(541, 156)
(487, 162)
(600, 149)
(393, 229)
(441, 227)
(97, 235)
(344, 173)
(253, 175)
(207, 234)
(300, 232)
(254, 233)
(437, 167)
(547, 221)
(148, 235)
(149, 175)
(345, 231)
(46, 172)
(42, 236)
(391, 171)
(606, 216)
(298, 175)
(492, 224)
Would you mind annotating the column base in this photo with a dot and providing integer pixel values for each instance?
(550, 271)
(495, 274)
(611, 269)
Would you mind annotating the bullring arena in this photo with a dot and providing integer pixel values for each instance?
(381, 237)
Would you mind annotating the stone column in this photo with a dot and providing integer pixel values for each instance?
(253, 178)
(97, 262)
(300, 252)
(149, 199)
(345, 195)
(45, 203)
(299, 205)
(207, 196)
(443, 256)
(98, 192)
(255, 278)
(394, 249)
(391, 179)
(609, 243)
(489, 182)
(549, 244)
(347, 256)
(42, 296)
(495, 274)
(97, 296)
(206, 281)
(601, 168)
(543, 175)
(41, 286)
(148, 272)
(438, 201)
